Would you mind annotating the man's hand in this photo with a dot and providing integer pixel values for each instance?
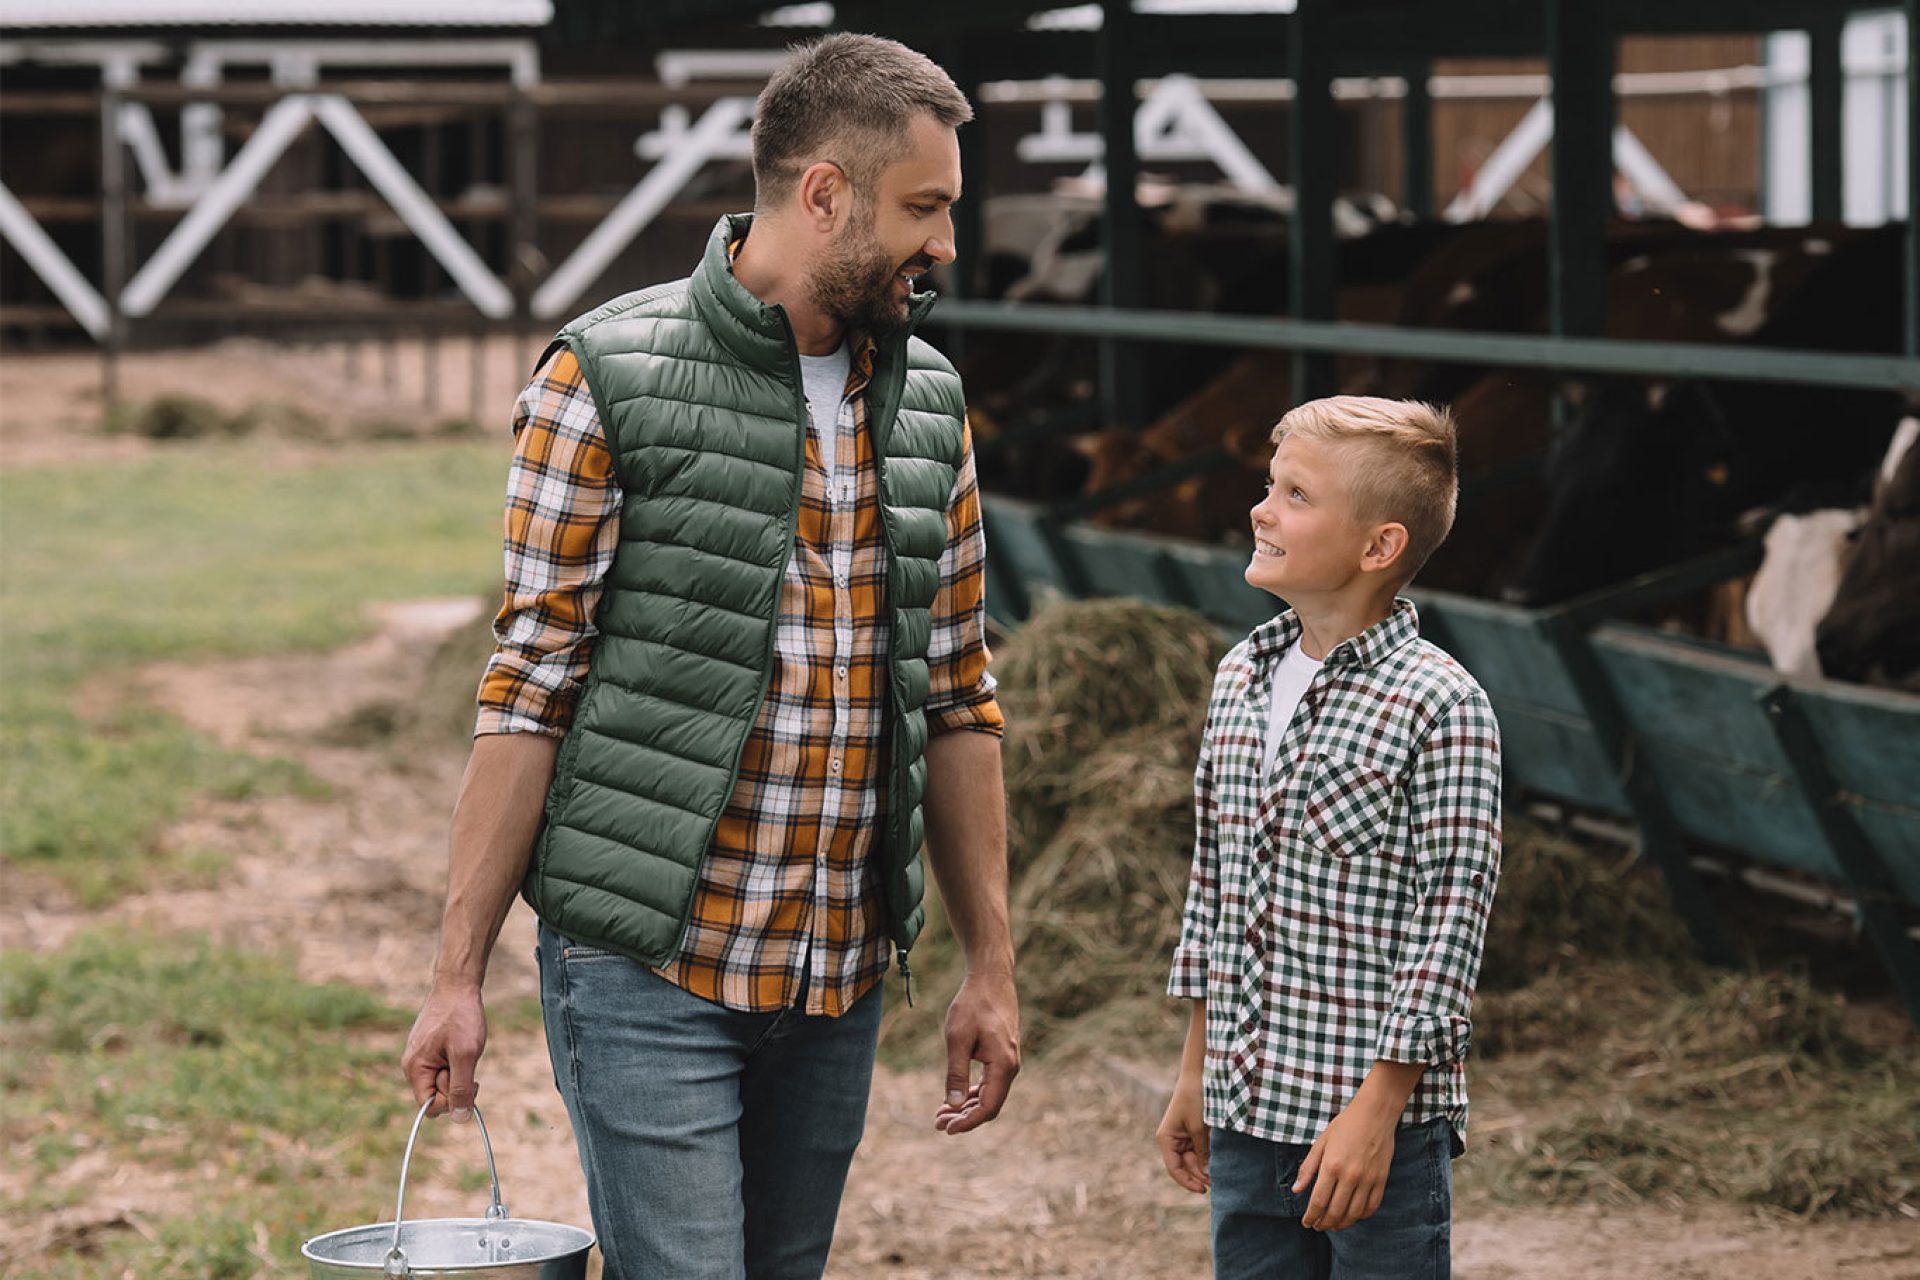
(447, 1040)
(1349, 1162)
(1182, 1136)
(983, 1025)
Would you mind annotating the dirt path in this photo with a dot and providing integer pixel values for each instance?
(1065, 1185)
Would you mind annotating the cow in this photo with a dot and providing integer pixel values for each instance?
(1871, 634)
(1650, 474)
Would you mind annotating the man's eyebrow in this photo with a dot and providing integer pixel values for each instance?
(941, 194)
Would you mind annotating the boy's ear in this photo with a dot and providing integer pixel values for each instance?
(1385, 549)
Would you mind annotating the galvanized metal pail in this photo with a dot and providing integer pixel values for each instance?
(496, 1247)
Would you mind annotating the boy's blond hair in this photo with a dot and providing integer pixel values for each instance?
(1404, 468)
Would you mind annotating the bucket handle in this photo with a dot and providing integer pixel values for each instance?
(396, 1260)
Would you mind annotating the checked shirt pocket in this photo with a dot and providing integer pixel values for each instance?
(1346, 806)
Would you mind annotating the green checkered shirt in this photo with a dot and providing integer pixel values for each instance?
(1337, 905)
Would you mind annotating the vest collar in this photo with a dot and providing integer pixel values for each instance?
(758, 335)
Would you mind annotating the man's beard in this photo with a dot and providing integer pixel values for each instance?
(853, 282)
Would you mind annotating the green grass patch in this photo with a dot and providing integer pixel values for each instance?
(276, 1102)
(208, 550)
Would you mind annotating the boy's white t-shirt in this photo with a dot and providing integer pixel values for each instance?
(824, 379)
(1290, 680)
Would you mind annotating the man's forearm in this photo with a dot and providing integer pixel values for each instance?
(494, 824)
(967, 844)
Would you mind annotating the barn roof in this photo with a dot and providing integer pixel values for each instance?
(257, 13)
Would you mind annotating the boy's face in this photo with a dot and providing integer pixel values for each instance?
(1306, 539)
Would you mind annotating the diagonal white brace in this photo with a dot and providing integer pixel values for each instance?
(278, 128)
(363, 146)
(1504, 167)
(75, 292)
(640, 206)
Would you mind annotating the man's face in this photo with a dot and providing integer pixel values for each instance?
(893, 234)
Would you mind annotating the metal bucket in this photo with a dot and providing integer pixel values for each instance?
(496, 1247)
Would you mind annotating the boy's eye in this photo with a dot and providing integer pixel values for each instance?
(1296, 494)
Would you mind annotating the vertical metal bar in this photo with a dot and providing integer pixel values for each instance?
(1416, 143)
(1661, 840)
(1912, 272)
(1122, 387)
(477, 379)
(1874, 892)
(1580, 55)
(1311, 157)
(113, 241)
(430, 369)
(1826, 84)
(523, 163)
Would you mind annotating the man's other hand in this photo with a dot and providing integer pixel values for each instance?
(444, 1048)
(983, 1025)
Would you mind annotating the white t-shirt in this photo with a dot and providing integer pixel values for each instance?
(824, 378)
(1290, 680)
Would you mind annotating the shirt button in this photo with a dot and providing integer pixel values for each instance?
(841, 673)
(834, 764)
(840, 579)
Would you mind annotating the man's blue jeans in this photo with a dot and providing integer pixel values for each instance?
(715, 1143)
(1256, 1215)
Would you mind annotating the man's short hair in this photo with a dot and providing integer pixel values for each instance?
(1404, 466)
(849, 99)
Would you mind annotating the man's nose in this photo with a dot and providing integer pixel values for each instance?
(940, 246)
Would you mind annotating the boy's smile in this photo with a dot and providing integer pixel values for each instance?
(1306, 540)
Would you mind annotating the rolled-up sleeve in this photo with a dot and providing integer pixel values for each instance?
(960, 689)
(1453, 799)
(1189, 979)
(562, 497)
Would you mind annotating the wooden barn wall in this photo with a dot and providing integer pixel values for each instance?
(1710, 145)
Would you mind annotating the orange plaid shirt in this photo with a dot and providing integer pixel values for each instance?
(789, 893)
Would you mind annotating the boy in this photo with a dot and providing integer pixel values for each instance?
(1347, 843)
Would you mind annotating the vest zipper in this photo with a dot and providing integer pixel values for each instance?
(906, 976)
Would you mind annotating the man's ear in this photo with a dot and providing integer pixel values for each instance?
(1385, 549)
(824, 196)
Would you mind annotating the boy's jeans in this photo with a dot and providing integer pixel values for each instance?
(1256, 1215)
(715, 1143)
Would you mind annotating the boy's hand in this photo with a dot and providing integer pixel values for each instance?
(1349, 1162)
(1347, 1166)
(1182, 1136)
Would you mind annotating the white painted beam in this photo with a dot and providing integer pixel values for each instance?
(53, 267)
(364, 148)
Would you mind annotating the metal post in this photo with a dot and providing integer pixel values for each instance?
(1416, 143)
(430, 370)
(1875, 894)
(1122, 387)
(1826, 84)
(1313, 268)
(113, 241)
(1912, 271)
(1580, 61)
(1661, 841)
(523, 176)
(477, 379)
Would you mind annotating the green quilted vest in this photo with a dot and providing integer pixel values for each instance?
(698, 389)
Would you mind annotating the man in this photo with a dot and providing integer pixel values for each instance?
(741, 665)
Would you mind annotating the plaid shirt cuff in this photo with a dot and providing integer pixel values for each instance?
(981, 713)
(1189, 980)
(494, 720)
(1427, 1039)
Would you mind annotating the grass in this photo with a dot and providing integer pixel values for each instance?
(205, 551)
(204, 1068)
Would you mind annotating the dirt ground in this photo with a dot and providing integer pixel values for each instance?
(1065, 1184)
